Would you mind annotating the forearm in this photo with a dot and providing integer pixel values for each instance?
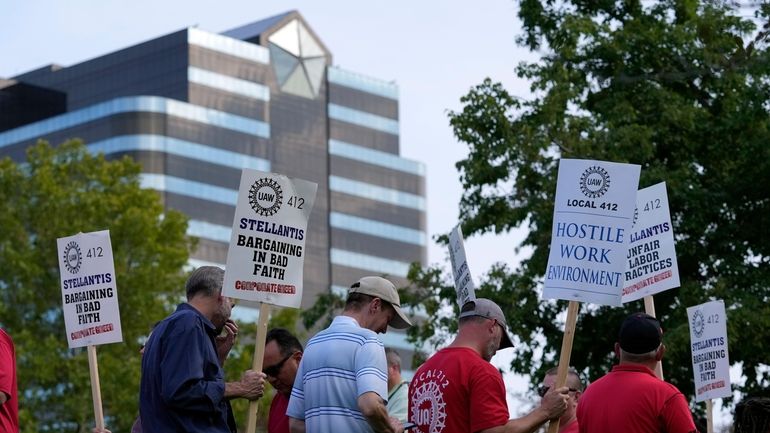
(375, 412)
(296, 425)
(3, 397)
(528, 423)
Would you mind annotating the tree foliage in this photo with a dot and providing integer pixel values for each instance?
(59, 192)
(679, 87)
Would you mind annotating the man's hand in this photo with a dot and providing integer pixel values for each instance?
(396, 425)
(253, 384)
(225, 342)
(555, 402)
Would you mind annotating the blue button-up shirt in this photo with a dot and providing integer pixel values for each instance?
(183, 385)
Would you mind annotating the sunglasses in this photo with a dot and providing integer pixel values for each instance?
(541, 391)
(275, 370)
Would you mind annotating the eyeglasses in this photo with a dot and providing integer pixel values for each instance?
(275, 370)
(541, 391)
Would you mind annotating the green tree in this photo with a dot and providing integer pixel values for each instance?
(680, 87)
(59, 192)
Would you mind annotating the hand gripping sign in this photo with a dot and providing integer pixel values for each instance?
(267, 250)
(89, 299)
(466, 290)
(593, 212)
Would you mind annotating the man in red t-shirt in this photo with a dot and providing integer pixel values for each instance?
(568, 421)
(457, 390)
(9, 406)
(282, 355)
(630, 398)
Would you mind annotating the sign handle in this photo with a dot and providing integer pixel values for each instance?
(709, 416)
(649, 308)
(96, 392)
(566, 352)
(256, 364)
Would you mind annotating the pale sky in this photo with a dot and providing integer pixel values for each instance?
(434, 51)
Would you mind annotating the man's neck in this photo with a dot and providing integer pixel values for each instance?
(650, 365)
(392, 384)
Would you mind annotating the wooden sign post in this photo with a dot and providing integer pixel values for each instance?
(96, 391)
(266, 255)
(593, 209)
(649, 308)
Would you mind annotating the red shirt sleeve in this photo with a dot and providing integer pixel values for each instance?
(676, 416)
(488, 405)
(6, 366)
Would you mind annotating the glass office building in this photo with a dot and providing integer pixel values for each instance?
(194, 107)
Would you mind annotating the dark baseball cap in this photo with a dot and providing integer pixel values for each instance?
(640, 333)
(487, 308)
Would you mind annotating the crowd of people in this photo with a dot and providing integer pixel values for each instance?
(345, 380)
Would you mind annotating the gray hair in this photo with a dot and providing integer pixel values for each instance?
(393, 358)
(206, 281)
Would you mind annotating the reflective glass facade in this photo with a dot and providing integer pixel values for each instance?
(194, 108)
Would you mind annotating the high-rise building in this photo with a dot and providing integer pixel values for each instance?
(195, 107)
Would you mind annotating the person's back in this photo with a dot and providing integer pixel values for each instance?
(456, 390)
(632, 399)
(327, 378)
(752, 415)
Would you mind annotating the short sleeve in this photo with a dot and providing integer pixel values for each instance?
(7, 362)
(676, 415)
(296, 408)
(371, 369)
(487, 399)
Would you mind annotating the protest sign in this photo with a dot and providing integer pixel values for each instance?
(710, 361)
(267, 246)
(267, 250)
(89, 292)
(593, 212)
(466, 290)
(651, 265)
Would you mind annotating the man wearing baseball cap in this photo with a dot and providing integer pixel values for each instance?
(458, 390)
(630, 398)
(342, 381)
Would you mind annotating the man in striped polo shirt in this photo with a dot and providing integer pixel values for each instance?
(342, 382)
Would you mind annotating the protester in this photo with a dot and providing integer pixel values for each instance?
(398, 388)
(458, 390)
(630, 398)
(342, 382)
(182, 386)
(752, 415)
(283, 353)
(568, 421)
(9, 405)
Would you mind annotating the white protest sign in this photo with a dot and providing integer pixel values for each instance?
(651, 260)
(89, 291)
(267, 246)
(466, 290)
(593, 211)
(708, 338)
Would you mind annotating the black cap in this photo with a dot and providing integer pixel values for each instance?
(640, 333)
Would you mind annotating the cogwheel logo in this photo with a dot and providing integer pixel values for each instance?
(72, 257)
(698, 323)
(594, 182)
(429, 408)
(265, 196)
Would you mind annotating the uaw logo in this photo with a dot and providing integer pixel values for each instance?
(72, 257)
(265, 196)
(429, 408)
(594, 182)
(698, 323)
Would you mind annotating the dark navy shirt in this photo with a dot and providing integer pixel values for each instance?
(183, 385)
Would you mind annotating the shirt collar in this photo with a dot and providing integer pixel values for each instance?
(210, 328)
(345, 320)
(633, 368)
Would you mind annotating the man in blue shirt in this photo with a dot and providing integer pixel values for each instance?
(342, 384)
(183, 387)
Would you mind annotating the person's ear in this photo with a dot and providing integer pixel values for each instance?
(661, 351)
(617, 350)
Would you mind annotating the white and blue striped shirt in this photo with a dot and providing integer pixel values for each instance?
(339, 364)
